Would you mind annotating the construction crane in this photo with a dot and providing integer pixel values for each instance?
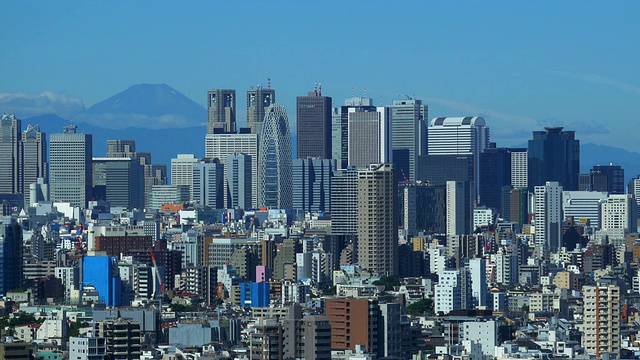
(155, 267)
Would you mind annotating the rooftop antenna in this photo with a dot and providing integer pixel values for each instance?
(320, 89)
(352, 91)
(315, 88)
(365, 92)
(268, 83)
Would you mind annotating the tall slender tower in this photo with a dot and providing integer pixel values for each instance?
(274, 172)
(602, 329)
(10, 160)
(314, 125)
(70, 166)
(409, 132)
(34, 155)
(340, 126)
(258, 101)
(548, 215)
(370, 137)
(377, 225)
(221, 104)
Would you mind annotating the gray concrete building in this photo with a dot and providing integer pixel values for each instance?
(221, 107)
(70, 166)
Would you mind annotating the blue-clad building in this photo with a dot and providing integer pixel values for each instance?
(101, 272)
(257, 293)
(10, 255)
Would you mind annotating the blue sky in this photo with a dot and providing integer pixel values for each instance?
(522, 65)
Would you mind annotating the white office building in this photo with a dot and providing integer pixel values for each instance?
(182, 171)
(583, 205)
(519, 169)
(447, 292)
(370, 140)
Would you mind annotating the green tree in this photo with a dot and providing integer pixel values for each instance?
(389, 282)
(421, 307)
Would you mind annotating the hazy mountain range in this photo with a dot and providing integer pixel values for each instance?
(165, 122)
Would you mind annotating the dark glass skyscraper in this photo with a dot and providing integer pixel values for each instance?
(10, 255)
(554, 155)
(312, 184)
(314, 125)
(609, 178)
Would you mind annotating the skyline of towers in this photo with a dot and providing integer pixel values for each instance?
(275, 160)
(70, 166)
(313, 124)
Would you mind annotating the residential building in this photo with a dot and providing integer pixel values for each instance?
(344, 202)
(601, 320)
(306, 337)
(354, 322)
(122, 338)
(87, 347)
(377, 247)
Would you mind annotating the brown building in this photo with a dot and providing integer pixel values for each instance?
(116, 245)
(16, 350)
(354, 322)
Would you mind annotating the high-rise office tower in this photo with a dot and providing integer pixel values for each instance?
(370, 137)
(341, 128)
(460, 136)
(120, 148)
(634, 188)
(424, 208)
(70, 166)
(10, 160)
(438, 169)
(609, 178)
(10, 255)
(336, 135)
(182, 171)
(220, 146)
(583, 205)
(548, 215)
(459, 208)
(119, 181)
(314, 125)
(344, 202)
(495, 173)
(312, 184)
(221, 105)
(258, 101)
(274, 174)
(238, 181)
(377, 248)
(208, 183)
(34, 156)
(154, 174)
(618, 214)
(602, 320)
(409, 133)
(519, 168)
(554, 155)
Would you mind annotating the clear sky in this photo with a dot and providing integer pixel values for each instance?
(520, 64)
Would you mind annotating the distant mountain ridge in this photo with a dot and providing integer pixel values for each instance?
(152, 106)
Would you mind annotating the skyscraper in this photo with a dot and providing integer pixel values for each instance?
(119, 181)
(182, 171)
(221, 105)
(340, 127)
(222, 145)
(258, 101)
(70, 166)
(460, 136)
(208, 183)
(312, 184)
(238, 181)
(409, 132)
(34, 156)
(377, 248)
(370, 138)
(314, 125)
(10, 255)
(554, 155)
(459, 208)
(10, 160)
(548, 215)
(519, 168)
(609, 178)
(274, 174)
(344, 202)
